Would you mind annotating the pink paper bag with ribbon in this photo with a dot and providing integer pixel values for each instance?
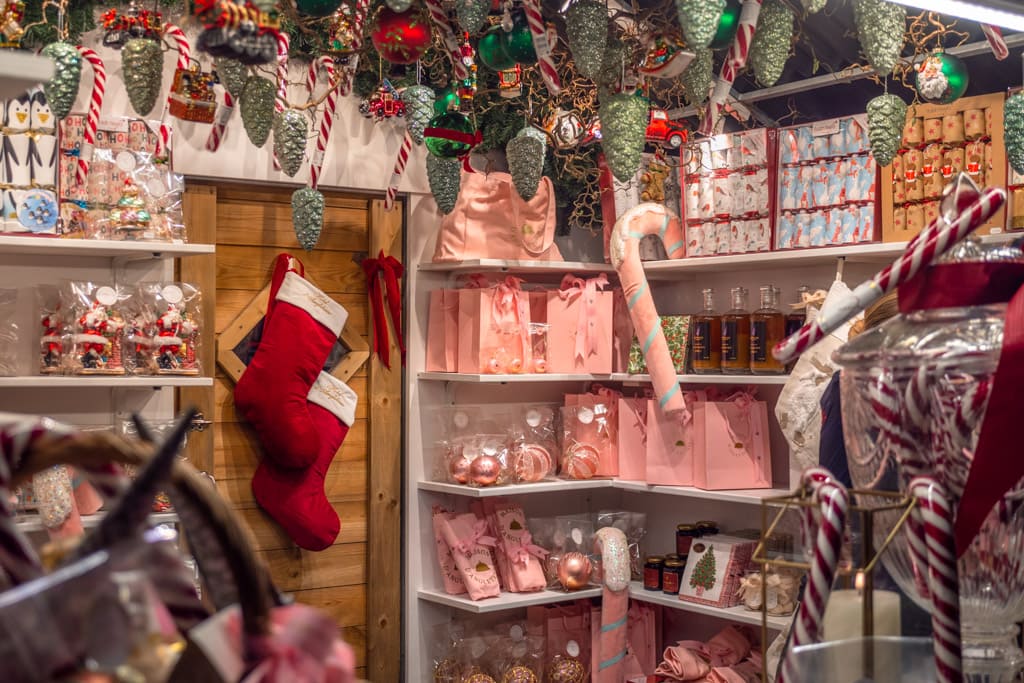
(453, 583)
(633, 439)
(526, 574)
(580, 326)
(494, 322)
(735, 453)
(443, 331)
(467, 537)
(674, 443)
(604, 429)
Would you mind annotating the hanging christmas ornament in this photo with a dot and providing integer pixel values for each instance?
(564, 127)
(291, 130)
(62, 89)
(317, 8)
(11, 31)
(142, 62)
(448, 100)
(564, 669)
(232, 75)
(419, 109)
(774, 36)
(586, 27)
(518, 42)
(383, 103)
(342, 34)
(881, 27)
(941, 78)
(401, 37)
(698, 76)
(444, 176)
(450, 135)
(887, 114)
(120, 26)
(813, 6)
(699, 20)
(466, 86)
(192, 97)
(665, 56)
(510, 82)
(727, 25)
(398, 5)
(472, 14)
(1013, 127)
(256, 106)
(613, 64)
(623, 128)
(307, 216)
(525, 154)
(491, 50)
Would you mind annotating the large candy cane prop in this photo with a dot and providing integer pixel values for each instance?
(994, 36)
(362, 7)
(283, 43)
(539, 32)
(184, 58)
(734, 62)
(323, 134)
(611, 544)
(440, 20)
(219, 129)
(934, 528)
(92, 121)
(396, 174)
(938, 238)
(633, 226)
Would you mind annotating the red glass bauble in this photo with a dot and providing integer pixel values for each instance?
(401, 37)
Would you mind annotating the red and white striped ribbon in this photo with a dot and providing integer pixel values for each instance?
(994, 36)
(362, 8)
(396, 174)
(541, 46)
(323, 134)
(184, 59)
(92, 121)
(735, 60)
(218, 131)
(283, 43)
(444, 28)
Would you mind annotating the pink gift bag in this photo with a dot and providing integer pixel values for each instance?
(453, 583)
(735, 454)
(633, 438)
(494, 336)
(525, 571)
(580, 328)
(622, 331)
(674, 443)
(467, 537)
(603, 429)
(443, 331)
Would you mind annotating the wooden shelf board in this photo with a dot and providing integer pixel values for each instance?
(56, 246)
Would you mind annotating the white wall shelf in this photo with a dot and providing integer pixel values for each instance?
(772, 380)
(102, 382)
(32, 522)
(504, 601)
(739, 614)
(741, 496)
(744, 496)
(56, 246)
(20, 71)
(502, 266)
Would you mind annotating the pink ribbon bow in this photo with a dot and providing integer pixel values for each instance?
(521, 550)
(586, 334)
(303, 646)
(478, 537)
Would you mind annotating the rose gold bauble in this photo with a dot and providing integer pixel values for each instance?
(531, 462)
(484, 470)
(566, 670)
(519, 674)
(458, 468)
(574, 571)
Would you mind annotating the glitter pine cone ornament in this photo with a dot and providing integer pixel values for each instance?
(698, 77)
(291, 130)
(472, 14)
(1013, 127)
(419, 109)
(307, 216)
(256, 106)
(445, 178)
(586, 28)
(142, 61)
(770, 48)
(699, 21)
(232, 74)
(613, 63)
(525, 154)
(623, 127)
(881, 27)
(62, 89)
(887, 115)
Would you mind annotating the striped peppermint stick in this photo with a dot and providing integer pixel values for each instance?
(219, 129)
(934, 528)
(735, 60)
(396, 174)
(283, 43)
(184, 59)
(810, 479)
(994, 36)
(938, 238)
(92, 120)
(323, 134)
(361, 9)
(539, 31)
(444, 28)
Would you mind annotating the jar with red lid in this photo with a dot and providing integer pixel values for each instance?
(685, 533)
(652, 572)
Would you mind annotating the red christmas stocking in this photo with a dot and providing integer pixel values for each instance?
(295, 497)
(299, 331)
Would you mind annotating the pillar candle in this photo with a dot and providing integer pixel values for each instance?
(843, 614)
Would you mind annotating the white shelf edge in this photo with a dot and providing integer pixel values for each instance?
(32, 522)
(737, 614)
(57, 246)
(468, 378)
(102, 381)
(504, 601)
(742, 496)
(503, 265)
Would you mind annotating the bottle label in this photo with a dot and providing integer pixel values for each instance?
(730, 328)
(759, 341)
(701, 339)
(652, 578)
(670, 582)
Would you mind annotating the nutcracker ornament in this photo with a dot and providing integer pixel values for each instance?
(98, 338)
(175, 343)
(467, 86)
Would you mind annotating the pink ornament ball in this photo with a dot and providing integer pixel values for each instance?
(485, 470)
(458, 468)
(531, 462)
(581, 461)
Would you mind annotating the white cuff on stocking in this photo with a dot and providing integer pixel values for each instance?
(334, 395)
(300, 292)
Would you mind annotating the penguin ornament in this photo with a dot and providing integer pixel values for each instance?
(42, 150)
(19, 114)
(40, 116)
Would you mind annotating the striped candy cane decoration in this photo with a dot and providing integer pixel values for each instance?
(440, 19)
(735, 60)
(934, 241)
(994, 36)
(396, 174)
(934, 528)
(283, 43)
(538, 30)
(362, 8)
(184, 59)
(218, 131)
(323, 135)
(92, 121)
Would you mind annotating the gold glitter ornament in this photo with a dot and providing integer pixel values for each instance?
(419, 109)
(519, 674)
(142, 62)
(623, 127)
(887, 115)
(699, 21)
(291, 130)
(472, 14)
(62, 89)
(446, 671)
(445, 178)
(770, 48)
(586, 28)
(307, 216)
(881, 27)
(525, 154)
(1013, 127)
(698, 76)
(478, 677)
(232, 74)
(566, 670)
(256, 105)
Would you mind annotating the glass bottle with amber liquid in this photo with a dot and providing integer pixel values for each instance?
(707, 337)
(767, 328)
(796, 319)
(736, 335)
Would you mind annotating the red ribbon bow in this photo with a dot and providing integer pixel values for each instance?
(383, 278)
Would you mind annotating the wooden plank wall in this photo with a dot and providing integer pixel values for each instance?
(253, 226)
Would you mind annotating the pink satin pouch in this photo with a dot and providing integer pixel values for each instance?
(526, 574)
(453, 583)
(467, 537)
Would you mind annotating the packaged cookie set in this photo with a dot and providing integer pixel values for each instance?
(827, 185)
(28, 147)
(727, 202)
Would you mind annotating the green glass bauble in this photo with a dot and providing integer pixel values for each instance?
(941, 78)
(447, 135)
(447, 100)
(491, 50)
(317, 8)
(518, 42)
(727, 25)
